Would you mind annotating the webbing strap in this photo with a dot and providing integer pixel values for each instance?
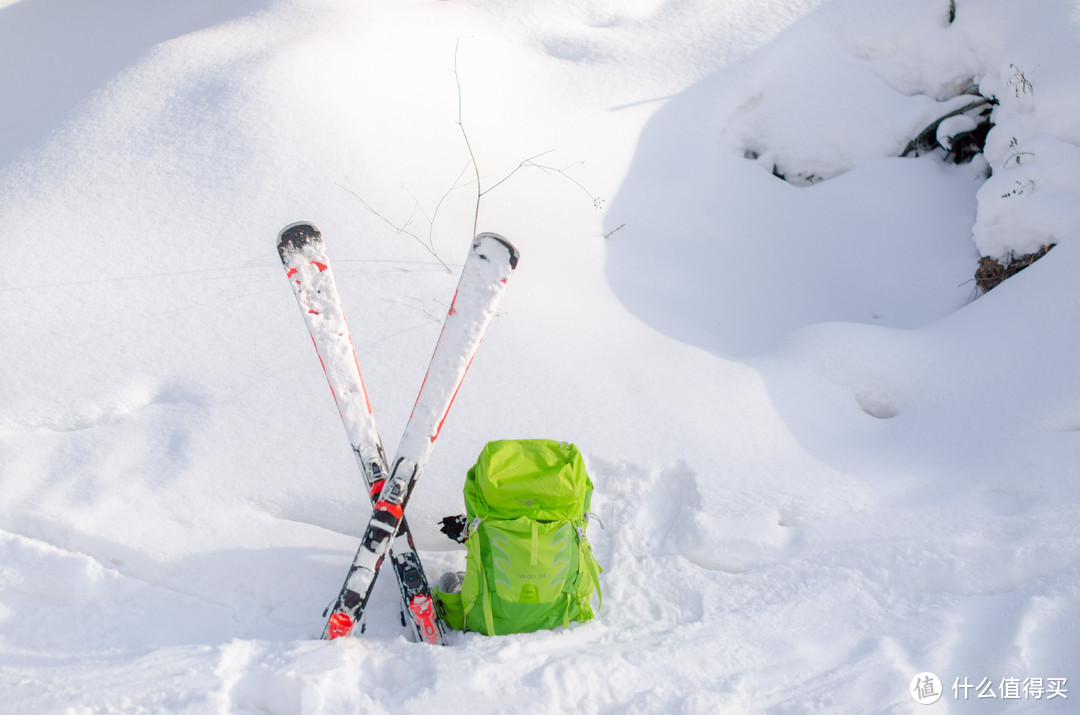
(585, 555)
(489, 621)
(535, 544)
(485, 595)
(475, 564)
(485, 605)
(467, 606)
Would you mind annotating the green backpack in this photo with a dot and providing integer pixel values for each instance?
(528, 563)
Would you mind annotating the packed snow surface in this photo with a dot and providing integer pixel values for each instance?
(824, 464)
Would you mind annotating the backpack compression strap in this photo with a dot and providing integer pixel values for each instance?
(593, 569)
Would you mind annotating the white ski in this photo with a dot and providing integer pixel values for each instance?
(490, 263)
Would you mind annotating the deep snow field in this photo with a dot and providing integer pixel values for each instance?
(824, 463)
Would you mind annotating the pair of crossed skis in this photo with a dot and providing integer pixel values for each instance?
(489, 265)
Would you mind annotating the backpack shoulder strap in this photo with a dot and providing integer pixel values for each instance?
(475, 567)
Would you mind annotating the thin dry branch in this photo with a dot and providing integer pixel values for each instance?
(527, 163)
(465, 136)
(597, 201)
(438, 205)
(404, 229)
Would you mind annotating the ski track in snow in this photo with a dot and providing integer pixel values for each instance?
(822, 465)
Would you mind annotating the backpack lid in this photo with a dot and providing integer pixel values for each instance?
(539, 479)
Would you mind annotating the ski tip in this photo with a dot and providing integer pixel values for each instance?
(510, 248)
(297, 235)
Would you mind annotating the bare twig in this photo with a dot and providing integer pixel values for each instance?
(404, 229)
(527, 163)
(1020, 188)
(1020, 83)
(612, 231)
(1017, 155)
(597, 201)
(465, 136)
(435, 214)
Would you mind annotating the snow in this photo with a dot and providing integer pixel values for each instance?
(823, 466)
